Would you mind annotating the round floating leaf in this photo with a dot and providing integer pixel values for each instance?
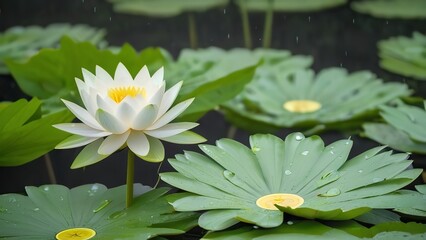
(332, 98)
(25, 134)
(164, 8)
(19, 43)
(51, 209)
(405, 129)
(405, 56)
(314, 230)
(391, 8)
(299, 176)
(290, 5)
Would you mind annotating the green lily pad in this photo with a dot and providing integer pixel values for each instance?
(391, 8)
(50, 74)
(405, 56)
(50, 209)
(25, 134)
(20, 43)
(333, 98)
(404, 129)
(164, 8)
(290, 5)
(299, 176)
(314, 230)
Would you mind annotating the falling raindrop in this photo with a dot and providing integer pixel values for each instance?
(287, 172)
(346, 53)
(82, 1)
(387, 22)
(353, 20)
(110, 19)
(297, 39)
(341, 64)
(309, 18)
(305, 153)
(224, 11)
(94, 9)
(229, 35)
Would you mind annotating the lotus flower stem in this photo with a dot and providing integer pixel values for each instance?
(267, 29)
(49, 168)
(192, 28)
(158, 173)
(130, 177)
(246, 25)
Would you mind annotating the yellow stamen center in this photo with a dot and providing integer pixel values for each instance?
(76, 234)
(119, 93)
(281, 199)
(301, 106)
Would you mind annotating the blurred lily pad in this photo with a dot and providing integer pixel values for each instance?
(298, 176)
(391, 8)
(405, 56)
(164, 8)
(404, 129)
(25, 134)
(314, 230)
(290, 5)
(331, 99)
(51, 209)
(20, 43)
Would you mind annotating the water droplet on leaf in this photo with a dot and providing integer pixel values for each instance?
(305, 153)
(287, 172)
(103, 204)
(331, 193)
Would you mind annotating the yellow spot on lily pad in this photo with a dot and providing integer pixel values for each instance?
(76, 234)
(281, 199)
(119, 93)
(301, 106)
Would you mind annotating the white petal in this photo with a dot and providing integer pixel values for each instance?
(112, 143)
(88, 101)
(122, 75)
(110, 122)
(126, 113)
(158, 76)
(105, 103)
(81, 129)
(142, 77)
(169, 97)
(103, 76)
(81, 85)
(157, 96)
(75, 141)
(171, 129)
(171, 114)
(156, 151)
(138, 143)
(89, 78)
(83, 115)
(145, 117)
(89, 155)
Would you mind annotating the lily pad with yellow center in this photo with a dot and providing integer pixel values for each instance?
(298, 176)
(298, 98)
(54, 212)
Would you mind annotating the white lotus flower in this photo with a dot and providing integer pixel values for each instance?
(124, 111)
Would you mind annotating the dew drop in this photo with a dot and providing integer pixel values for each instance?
(228, 174)
(305, 153)
(255, 149)
(61, 198)
(331, 193)
(255, 227)
(36, 209)
(117, 215)
(12, 200)
(103, 204)
(287, 172)
(331, 152)
(290, 222)
(298, 137)
(46, 188)
(360, 171)
(2, 210)
(375, 180)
